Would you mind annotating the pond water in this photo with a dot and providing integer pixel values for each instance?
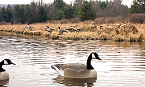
(122, 65)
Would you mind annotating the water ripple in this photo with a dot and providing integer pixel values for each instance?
(123, 63)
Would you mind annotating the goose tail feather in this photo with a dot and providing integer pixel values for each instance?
(57, 69)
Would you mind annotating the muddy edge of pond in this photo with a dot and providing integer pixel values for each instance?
(116, 32)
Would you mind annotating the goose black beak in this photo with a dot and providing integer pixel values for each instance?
(12, 63)
(99, 58)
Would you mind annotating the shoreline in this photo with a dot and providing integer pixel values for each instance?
(127, 32)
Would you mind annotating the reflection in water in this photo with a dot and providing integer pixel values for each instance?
(3, 83)
(89, 82)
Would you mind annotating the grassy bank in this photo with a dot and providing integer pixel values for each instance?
(116, 32)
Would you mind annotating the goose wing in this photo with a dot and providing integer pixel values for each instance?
(73, 73)
(60, 68)
(75, 66)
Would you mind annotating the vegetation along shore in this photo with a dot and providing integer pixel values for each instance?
(82, 31)
(80, 20)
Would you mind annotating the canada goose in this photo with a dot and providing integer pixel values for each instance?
(29, 27)
(93, 23)
(70, 29)
(77, 70)
(46, 28)
(49, 29)
(61, 31)
(101, 27)
(3, 74)
(79, 30)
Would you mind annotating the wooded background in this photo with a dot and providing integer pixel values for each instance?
(79, 10)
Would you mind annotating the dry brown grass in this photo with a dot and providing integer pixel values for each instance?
(132, 32)
(137, 18)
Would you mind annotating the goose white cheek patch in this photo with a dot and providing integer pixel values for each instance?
(5, 62)
(93, 56)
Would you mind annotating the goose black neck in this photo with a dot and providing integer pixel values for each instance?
(1, 69)
(89, 66)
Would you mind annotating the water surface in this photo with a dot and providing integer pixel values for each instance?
(122, 65)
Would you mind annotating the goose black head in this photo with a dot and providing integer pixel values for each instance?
(7, 62)
(58, 27)
(94, 55)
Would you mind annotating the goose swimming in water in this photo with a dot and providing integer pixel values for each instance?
(77, 70)
(3, 74)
